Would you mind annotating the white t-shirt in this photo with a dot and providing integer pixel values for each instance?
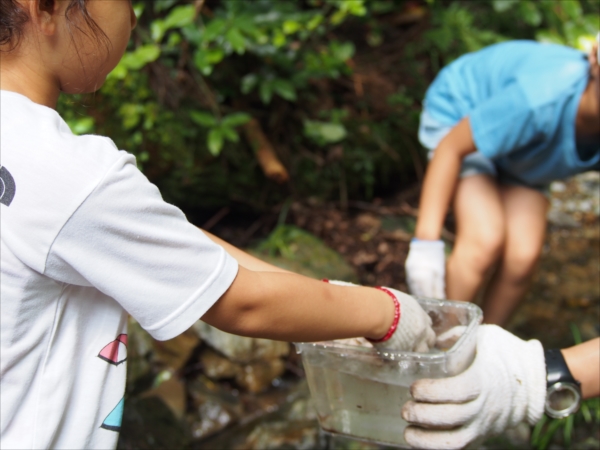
(86, 239)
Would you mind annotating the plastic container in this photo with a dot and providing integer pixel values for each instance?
(359, 391)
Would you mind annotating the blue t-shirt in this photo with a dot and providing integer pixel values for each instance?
(521, 98)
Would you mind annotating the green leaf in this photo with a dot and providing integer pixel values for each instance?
(266, 92)
(284, 89)
(131, 114)
(81, 126)
(324, 132)
(279, 39)
(119, 72)
(501, 6)
(576, 333)
(291, 26)
(537, 430)
(214, 29)
(314, 22)
(249, 82)
(138, 10)
(163, 5)
(180, 16)
(174, 40)
(236, 39)
(203, 118)
(230, 134)
(158, 30)
(530, 13)
(236, 119)
(568, 430)
(215, 141)
(141, 56)
(342, 52)
(571, 8)
(202, 62)
(545, 439)
(333, 132)
(338, 17)
(246, 24)
(356, 7)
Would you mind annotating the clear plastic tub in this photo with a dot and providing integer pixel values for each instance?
(359, 391)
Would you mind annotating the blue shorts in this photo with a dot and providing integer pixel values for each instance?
(431, 133)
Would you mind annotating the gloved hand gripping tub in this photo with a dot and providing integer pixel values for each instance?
(359, 391)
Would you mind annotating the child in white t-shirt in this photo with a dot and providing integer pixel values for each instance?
(86, 240)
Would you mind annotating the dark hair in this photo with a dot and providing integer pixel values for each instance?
(13, 18)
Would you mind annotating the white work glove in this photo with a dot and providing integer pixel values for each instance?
(505, 385)
(414, 332)
(426, 269)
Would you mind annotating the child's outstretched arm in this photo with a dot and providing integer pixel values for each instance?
(266, 301)
(290, 307)
(425, 264)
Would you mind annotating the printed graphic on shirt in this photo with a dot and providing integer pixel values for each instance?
(116, 351)
(114, 419)
(7, 187)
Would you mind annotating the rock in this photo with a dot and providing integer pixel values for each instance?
(174, 353)
(257, 376)
(172, 393)
(295, 249)
(562, 219)
(216, 366)
(214, 408)
(241, 349)
(210, 418)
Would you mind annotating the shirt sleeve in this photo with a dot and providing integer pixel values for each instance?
(128, 243)
(506, 122)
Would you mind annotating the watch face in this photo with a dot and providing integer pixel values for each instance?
(562, 399)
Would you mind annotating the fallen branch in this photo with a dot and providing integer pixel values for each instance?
(265, 154)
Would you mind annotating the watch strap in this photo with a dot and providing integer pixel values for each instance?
(557, 369)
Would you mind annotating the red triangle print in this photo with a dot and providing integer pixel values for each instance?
(116, 351)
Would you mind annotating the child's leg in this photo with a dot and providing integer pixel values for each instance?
(479, 235)
(525, 215)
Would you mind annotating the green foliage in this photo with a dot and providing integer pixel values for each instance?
(195, 72)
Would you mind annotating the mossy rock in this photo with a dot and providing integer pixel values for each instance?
(297, 250)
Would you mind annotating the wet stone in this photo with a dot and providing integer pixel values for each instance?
(216, 366)
(241, 349)
(258, 376)
(172, 393)
(174, 353)
(213, 408)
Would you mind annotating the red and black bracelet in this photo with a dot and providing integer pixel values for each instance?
(396, 321)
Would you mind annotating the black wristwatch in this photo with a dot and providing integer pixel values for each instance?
(563, 393)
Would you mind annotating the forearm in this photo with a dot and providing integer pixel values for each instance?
(243, 258)
(290, 307)
(438, 187)
(441, 179)
(584, 363)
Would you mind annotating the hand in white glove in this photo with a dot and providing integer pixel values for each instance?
(426, 269)
(414, 332)
(505, 384)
